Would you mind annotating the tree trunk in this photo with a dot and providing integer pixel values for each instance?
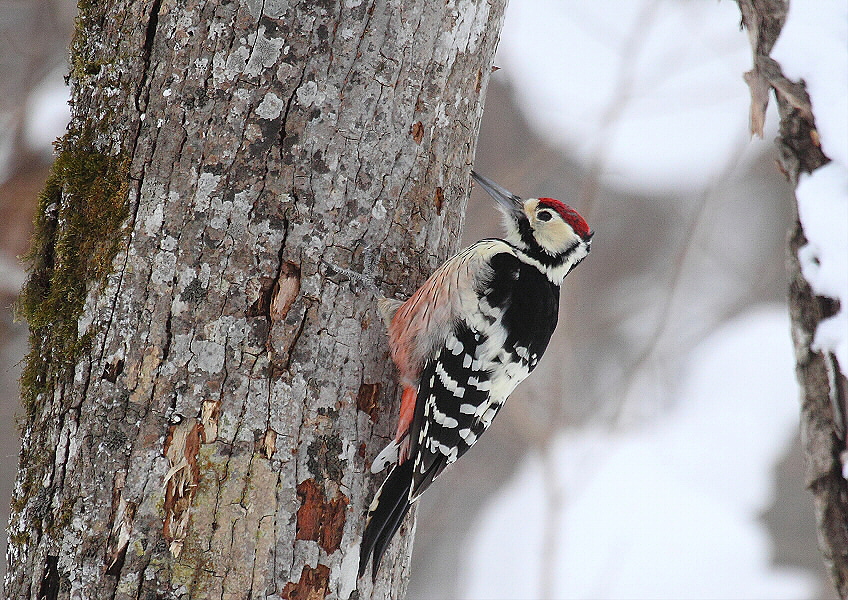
(822, 382)
(204, 393)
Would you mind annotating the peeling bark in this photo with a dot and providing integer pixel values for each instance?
(197, 424)
(823, 383)
(312, 585)
(319, 519)
(367, 400)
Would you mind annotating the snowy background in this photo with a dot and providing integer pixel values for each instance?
(654, 453)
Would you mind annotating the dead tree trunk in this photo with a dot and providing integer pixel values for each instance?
(204, 393)
(822, 380)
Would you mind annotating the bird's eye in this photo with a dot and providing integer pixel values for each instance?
(544, 215)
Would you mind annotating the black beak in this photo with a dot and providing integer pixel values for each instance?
(509, 203)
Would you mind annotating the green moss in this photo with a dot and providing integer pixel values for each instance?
(83, 64)
(78, 230)
(66, 513)
(19, 539)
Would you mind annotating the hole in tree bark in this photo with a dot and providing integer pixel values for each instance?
(49, 589)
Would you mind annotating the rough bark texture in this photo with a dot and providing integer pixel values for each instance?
(204, 393)
(823, 383)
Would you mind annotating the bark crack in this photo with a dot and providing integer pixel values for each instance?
(147, 51)
(49, 589)
(283, 131)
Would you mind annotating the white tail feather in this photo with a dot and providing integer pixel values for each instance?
(388, 456)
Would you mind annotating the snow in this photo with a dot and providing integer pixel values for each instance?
(812, 47)
(659, 111)
(670, 510)
(823, 209)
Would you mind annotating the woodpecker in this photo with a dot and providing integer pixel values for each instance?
(462, 343)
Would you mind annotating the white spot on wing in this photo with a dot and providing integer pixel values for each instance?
(469, 436)
(454, 345)
(452, 386)
(444, 420)
(483, 386)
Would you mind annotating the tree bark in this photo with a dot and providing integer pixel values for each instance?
(822, 381)
(204, 393)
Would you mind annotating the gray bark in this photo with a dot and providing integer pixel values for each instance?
(823, 383)
(204, 393)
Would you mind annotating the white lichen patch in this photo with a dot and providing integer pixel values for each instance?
(219, 220)
(275, 9)
(266, 52)
(271, 106)
(168, 244)
(208, 356)
(200, 66)
(309, 93)
(206, 184)
(379, 209)
(285, 71)
(229, 66)
(185, 21)
(254, 7)
(88, 312)
(163, 267)
(153, 221)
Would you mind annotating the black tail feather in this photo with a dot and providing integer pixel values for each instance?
(386, 536)
(384, 519)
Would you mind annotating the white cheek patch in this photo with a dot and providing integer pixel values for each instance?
(555, 236)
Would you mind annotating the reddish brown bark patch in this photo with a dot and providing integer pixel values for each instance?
(319, 519)
(439, 200)
(417, 132)
(314, 584)
(366, 399)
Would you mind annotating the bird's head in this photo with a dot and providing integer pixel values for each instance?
(547, 230)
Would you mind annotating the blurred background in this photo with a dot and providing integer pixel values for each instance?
(654, 453)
